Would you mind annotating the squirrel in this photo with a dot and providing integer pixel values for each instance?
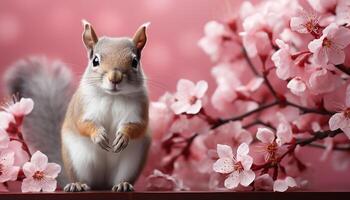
(101, 136)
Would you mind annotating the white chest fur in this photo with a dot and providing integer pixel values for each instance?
(99, 168)
(112, 111)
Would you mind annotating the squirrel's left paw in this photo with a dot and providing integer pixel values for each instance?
(101, 138)
(120, 143)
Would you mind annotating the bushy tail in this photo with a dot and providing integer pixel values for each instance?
(49, 85)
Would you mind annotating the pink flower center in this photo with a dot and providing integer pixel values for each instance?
(347, 113)
(192, 100)
(272, 148)
(327, 43)
(38, 175)
(238, 166)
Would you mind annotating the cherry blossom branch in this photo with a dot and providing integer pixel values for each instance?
(344, 69)
(185, 151)
(247, 114)
(305, 110)
(259, 122)
(336, 148)
(318, 136)
(250, 63)
(303, 142)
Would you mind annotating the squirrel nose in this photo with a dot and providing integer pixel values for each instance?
(115, 77)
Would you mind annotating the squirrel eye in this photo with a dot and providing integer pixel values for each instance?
(134, 63)
(96, 61)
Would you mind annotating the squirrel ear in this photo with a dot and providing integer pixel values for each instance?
(89, 36)
(140, 37)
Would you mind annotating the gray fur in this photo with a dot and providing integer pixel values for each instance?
(49, 84)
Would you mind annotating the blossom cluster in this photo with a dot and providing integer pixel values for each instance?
(282, 72)
(18, 167)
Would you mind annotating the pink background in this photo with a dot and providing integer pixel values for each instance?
(53, 29)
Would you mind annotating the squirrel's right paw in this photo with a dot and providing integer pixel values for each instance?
(101, 138)
(120, 143)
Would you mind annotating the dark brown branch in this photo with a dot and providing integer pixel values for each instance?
(259, 122)
(269, 86)
(319, 136)
(250, 64)
(309, 110)
(344, 69)
(337, 148)
(241, 117)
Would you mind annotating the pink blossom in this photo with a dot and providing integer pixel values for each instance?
(21, 108)
(8, 172)
(323, 6)
(189, 96)
(271, 141)
(189, 126)
(263, 182)
(161, 116)
(40, 175)
(329, 48)
(305, 22)
(285, 65)
(7, 120)
(159, 181)
(21, 156)
(297, 86)
(323, 80)
(343, 13)
(230, 87)
(232, 134)
(281, 185)
(219, 42)
(238, 168)
(4, 139)
(341, 120)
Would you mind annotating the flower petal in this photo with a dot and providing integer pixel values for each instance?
(247, 161)
(224, 151)
(49, 185)
(338, 120)
(280, 186)
(246, 177)
(184, 88)
(29, 169)
(180, 107)
(224, 165)
(335, 56)
(52, 170)
(39, 160)
(26, 105)
(232, 180)
(30, 185)
(242, 150)
(7, 157)
(195, 108)
(201, 88)
(265, 135)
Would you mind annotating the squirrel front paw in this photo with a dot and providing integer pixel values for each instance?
(121, 142)
(101, 138)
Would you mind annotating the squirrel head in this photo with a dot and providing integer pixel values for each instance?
(114, 63)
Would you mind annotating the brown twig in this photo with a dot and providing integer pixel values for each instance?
(241, 117)
(344, 69)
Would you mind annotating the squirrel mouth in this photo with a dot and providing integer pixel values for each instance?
(112, 91)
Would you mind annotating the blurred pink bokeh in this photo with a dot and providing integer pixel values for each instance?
(53, 29)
